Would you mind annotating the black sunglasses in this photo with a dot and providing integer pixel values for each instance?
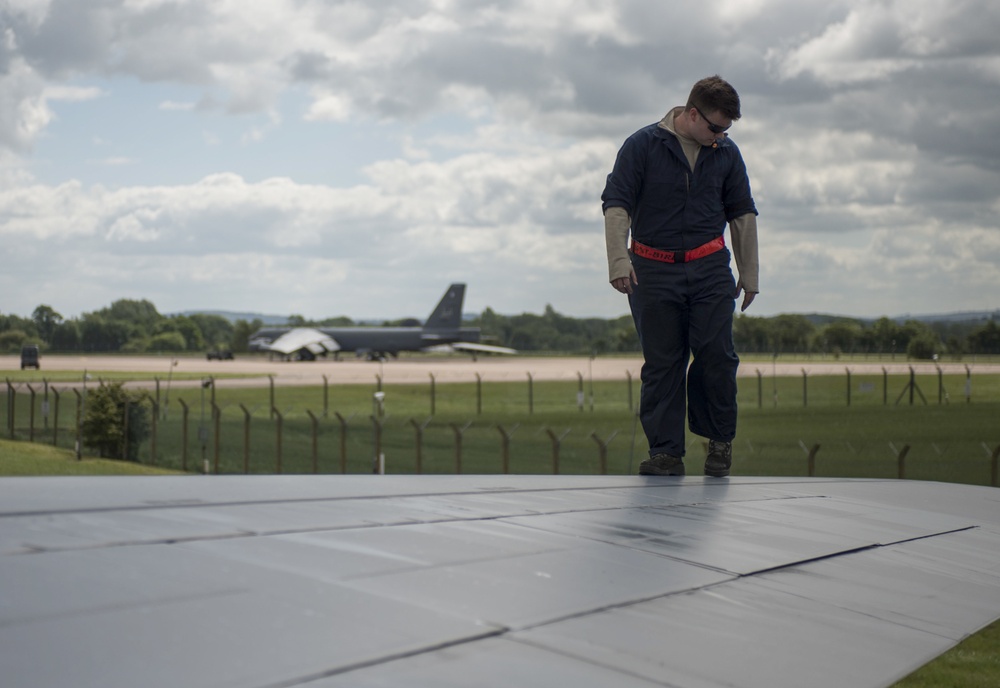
(714, 128)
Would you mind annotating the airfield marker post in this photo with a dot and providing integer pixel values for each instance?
(378, 410)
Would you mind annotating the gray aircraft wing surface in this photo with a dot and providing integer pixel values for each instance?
(365, 580)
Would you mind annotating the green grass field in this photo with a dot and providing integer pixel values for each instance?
(31, 459)
(542, 428)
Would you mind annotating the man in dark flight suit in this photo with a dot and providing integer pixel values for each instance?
(675, 185)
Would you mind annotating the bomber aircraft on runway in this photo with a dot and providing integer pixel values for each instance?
(443, 331)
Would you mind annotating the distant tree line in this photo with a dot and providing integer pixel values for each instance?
(126, 326)
(130, 326)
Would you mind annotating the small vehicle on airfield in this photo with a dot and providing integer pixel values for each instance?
(221, 355)
(30, 357)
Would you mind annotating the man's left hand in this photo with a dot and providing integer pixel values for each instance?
(747, 298)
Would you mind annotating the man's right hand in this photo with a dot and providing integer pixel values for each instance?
(624, 284)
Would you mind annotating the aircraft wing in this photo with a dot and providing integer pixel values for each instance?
(499, 580)
(307, 338)
(474, 348)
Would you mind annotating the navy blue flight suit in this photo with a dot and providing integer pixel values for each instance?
(682, 309)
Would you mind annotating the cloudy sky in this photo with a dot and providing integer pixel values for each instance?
(328, 157)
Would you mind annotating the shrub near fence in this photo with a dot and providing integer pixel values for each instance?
(542, 427)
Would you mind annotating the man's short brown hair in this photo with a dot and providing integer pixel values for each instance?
(713, 94)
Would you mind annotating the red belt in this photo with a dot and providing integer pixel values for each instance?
(716, 244)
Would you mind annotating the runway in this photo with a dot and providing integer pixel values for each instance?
(258, 369)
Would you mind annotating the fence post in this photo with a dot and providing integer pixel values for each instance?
(993, 467)
(185, 412)
(155, 408)
(433, 400)
(885, 386)
(128, 405)
(378, 461)
(812, 460)
(531, 395)
(315, 441)
(760, 389)
(628, 374)
(848, 386)
(79, 424)
(580, 397)
(901, 461)
(419, 428)
(11, 403)
(805, 395)
(217, 431)
(279, 428)
(326, 397)
(505, 445)
(479, 394)
(603, 450)
(968, 384)
(556, 441)
(246, 440)
(271, 397)
(343, 441)
(940, 384)
(31, 413)
(55, 419)
(459, 431)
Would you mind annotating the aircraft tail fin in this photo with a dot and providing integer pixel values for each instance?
(448, 313)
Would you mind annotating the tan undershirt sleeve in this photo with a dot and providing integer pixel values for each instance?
(616, 226)
(743, 231)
